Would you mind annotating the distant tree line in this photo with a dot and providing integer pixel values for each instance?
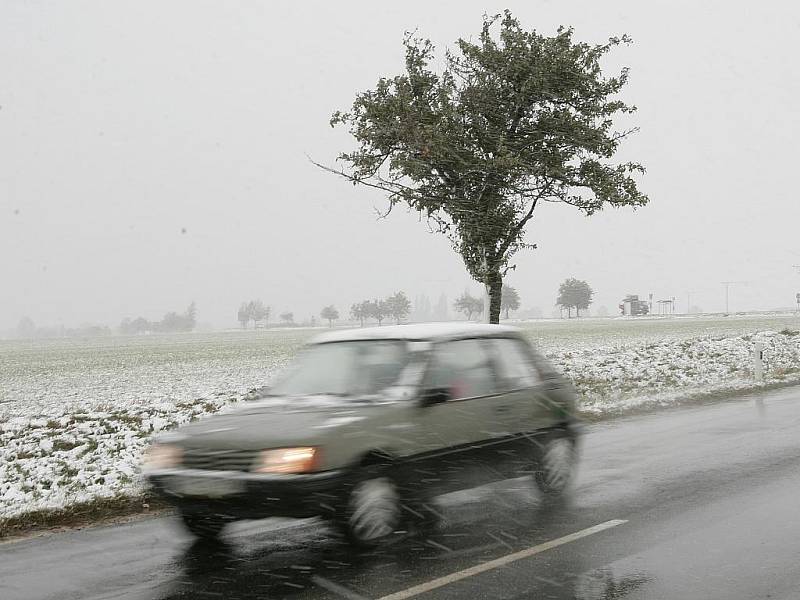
(27, 329)
(255, 311)
(425, 311)
(396, 306)
(258, 312)
(172, 322)
(573, 294)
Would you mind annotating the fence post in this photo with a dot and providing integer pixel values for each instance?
(758, 361)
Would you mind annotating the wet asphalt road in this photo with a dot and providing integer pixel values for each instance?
(693, 503)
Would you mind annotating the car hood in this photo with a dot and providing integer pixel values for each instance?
(275, 422)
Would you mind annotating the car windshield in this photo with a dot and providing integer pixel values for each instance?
(358, 368)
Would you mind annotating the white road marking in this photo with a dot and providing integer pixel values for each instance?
(500, 562)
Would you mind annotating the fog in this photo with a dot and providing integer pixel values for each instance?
(152, 154)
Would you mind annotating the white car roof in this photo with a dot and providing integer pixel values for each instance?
(418, 332)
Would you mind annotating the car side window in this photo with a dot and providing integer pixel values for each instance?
(463, 368)
(515, 365)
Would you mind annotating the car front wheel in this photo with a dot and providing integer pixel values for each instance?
(555, 461)
(371, 512)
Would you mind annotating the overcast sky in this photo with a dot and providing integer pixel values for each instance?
(154, 153)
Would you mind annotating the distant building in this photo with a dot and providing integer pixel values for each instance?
(666, 307)
(632, 306)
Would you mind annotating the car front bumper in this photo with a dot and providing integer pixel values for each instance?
(244, 495)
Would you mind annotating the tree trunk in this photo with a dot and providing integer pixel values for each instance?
(494, 284)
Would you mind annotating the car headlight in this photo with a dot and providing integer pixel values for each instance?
(287, 460)
(162, 456)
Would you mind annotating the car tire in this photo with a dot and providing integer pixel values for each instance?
(203, 526)
(371, 511)
(555, 461)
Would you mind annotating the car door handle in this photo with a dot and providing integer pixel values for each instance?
(501, 409)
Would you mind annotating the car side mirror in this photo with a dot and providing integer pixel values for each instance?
(435, 396)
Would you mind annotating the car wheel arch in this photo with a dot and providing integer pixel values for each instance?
(377, 458)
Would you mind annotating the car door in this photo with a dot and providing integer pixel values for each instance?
(457, 430)
(525, 406)
(524, 401)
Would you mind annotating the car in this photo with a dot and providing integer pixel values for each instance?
(368, 425)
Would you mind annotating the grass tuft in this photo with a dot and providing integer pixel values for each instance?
(79, 515)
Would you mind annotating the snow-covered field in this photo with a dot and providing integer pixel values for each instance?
(75, 415)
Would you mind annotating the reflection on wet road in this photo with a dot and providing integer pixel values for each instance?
(708, 497)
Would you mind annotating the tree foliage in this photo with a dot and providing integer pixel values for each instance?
(514, 119)
(468, 305)
(258, 312)
(255, 311)
(360, 311)
(171, 322)
(574, 293)
(398, 306)
(378, 310)
(330, 314)
(509, 299)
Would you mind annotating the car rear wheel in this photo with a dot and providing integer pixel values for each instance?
(555, 461)
(204, 526)
(371, 512)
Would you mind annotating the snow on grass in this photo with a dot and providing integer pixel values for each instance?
(658, 373)
(53, 462)
(75, 417)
